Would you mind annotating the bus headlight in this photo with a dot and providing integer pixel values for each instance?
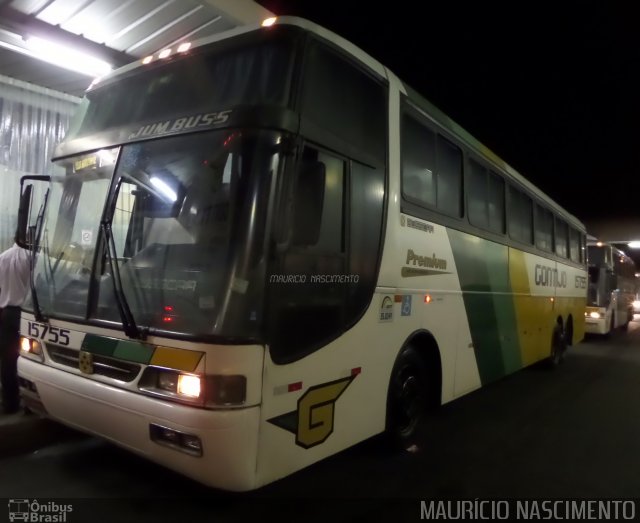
(172, 383)
(31, 349)
(189, 385)
(594, 315)
(213, 391)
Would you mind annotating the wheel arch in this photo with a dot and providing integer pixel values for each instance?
(425, 345)
(569, 330)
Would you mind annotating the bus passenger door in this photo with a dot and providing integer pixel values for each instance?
(322, 277)
(304, 303)
(305, 311)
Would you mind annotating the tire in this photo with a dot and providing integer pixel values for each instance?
(612, 326)
(625, 326)
(558, 348)
(407, 400)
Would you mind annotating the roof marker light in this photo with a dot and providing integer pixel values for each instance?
(268, 22)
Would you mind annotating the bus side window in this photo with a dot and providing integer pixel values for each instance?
(544, 229)
(574, 245)
(449, 178)
(561, 237)
(520, 216)
(485, 198)
(418, 162)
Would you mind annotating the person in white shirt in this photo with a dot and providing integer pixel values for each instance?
(14, 284)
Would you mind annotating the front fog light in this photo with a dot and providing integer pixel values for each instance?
(31, 348)
(175, 439)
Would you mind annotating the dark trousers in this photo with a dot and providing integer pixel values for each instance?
(9, 349)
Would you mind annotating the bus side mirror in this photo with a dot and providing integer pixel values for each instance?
(23, 232)
(149, 205)
(26, 229)
(309, 200)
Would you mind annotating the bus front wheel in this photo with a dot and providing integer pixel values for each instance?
(407, 400)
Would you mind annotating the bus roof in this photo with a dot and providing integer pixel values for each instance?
(382, 71)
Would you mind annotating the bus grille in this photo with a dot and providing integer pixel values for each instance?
(110, 367)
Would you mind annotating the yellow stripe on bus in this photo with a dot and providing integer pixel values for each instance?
(530, 311)
(178, 359)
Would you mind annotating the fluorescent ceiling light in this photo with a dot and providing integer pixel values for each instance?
(66, 57)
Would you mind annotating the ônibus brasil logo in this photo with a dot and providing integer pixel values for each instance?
(40, 512)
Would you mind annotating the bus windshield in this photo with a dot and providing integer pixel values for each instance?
(254, 71)
(187, 216)
(598, 256)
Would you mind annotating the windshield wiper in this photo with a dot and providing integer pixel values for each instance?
(37, 311)
(128, 321)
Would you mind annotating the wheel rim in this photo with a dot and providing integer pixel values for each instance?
(409, 400)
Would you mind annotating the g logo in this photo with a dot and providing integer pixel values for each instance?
(312, 422)
(85, 362)
(316, 409)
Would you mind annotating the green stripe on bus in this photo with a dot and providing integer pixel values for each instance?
(134, 351)
(99, 344)
(114, 348)
(483, 270)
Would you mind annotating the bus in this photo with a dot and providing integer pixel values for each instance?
(611, 290)
(267, 248)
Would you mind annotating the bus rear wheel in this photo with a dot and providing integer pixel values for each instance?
(558, 347)
(408, 399)
(612, 326)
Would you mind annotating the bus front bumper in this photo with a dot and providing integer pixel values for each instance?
(593, 326)
(228, 437)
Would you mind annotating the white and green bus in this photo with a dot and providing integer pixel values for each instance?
(264, 249)
(611, 288)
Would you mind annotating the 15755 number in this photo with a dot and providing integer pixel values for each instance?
(49, 333)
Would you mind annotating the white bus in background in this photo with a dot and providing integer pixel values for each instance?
(611, 289)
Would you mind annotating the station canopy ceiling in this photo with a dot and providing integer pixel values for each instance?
(111, 31)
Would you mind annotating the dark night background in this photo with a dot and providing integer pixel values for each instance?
(552, 89)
